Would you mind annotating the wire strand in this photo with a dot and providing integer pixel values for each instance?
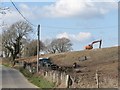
(21, 14)
(72, 28)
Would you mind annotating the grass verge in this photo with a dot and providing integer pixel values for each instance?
(6, 62)
(36, 80)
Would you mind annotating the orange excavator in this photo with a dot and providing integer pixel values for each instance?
(90, 46)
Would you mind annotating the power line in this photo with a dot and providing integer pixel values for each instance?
(73, 28)
(22, 14)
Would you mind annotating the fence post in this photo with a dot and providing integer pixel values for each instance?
(67, 77)
(46, 74)
(69, 81)
(54, 76)
(97, 79)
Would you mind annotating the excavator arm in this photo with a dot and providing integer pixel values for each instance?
(97, 42)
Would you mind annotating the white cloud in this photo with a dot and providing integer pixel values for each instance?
(24, 6)
(29, 12)
(61, 8)
(116, 45)
(65, 35)
(81, 36)
(78, 8)
(14, 16)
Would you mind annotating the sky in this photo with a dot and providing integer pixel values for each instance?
(81, 21)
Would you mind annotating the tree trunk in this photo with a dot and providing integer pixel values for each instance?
(13, 56)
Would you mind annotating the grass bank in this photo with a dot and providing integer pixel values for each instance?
(36, 80)
(6, 62)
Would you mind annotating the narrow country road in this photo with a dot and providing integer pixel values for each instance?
(12, 78)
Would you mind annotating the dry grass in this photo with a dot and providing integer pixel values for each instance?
(104, 60)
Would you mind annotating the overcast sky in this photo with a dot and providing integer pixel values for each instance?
(79, 20)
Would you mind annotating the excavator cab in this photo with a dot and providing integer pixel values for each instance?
(89, 47)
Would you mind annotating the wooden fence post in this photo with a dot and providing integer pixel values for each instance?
(69, 81)
(97, 78)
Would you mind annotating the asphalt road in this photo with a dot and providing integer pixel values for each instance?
(12, 78)
(0, 77)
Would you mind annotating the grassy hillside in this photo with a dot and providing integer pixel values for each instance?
(94, 56)
(104, 60)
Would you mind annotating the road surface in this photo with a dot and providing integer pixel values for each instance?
(12, 78)
(0, 76)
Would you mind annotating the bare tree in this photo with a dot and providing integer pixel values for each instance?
(59, 45)
(13, 37)
(1, 44)
(31, 48)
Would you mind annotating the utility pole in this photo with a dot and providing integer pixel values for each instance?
(38, 48)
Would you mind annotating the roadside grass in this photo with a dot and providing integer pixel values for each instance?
(36, 80)
(41, 82)
(6, 62)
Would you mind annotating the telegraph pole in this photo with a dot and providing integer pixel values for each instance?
(38, 48)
